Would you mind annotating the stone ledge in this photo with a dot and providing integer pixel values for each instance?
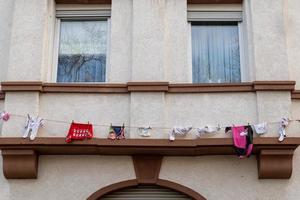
(274, 158)
(147, 87)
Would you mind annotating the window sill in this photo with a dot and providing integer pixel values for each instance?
(109, 1)
(18, 152)
(148, 87)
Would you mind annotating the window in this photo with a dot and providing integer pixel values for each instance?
(82, 45)
(216, 46)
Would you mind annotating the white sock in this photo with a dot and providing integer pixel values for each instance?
(35, 128)
(27, 127)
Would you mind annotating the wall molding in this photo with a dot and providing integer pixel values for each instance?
(2, 95)
(147, 87)
(109, 1)
(296, 94)
(269, 153)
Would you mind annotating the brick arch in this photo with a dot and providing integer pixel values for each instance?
(160, 182)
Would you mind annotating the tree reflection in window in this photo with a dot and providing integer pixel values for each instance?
(82, 51)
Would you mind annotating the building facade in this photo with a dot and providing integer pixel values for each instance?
(157, 63)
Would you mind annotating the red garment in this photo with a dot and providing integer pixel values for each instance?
(79, 131)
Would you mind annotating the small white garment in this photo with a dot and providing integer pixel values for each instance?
(144, 132)
(261, 128)
(283, 124)
(207, 129)
(180, 131)
(32, 126)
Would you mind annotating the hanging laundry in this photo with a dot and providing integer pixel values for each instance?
(261, 128)
(180, 131)
(32, 126)
(242, 140)
(4, 116)
(116, 132)
(80, 131)
(144, 132)
(282, 126)
(228, 130)
(207, 129)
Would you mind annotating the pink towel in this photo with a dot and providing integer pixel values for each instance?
(239, 140)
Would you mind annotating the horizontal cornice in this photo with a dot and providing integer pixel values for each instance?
(147, 87)
(203, 146)
(296, 94)
(109, 1)
(2, 95)
(20, 156)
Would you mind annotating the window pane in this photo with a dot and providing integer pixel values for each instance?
(215, 51)
(82, 51)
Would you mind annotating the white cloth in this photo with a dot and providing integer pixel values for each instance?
(144, 132)
(32, 126)
(283, 124)
(181, 131)
(207, 129)
(261, 128)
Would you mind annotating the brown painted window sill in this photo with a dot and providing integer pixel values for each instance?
(109, 1)
(148, 87)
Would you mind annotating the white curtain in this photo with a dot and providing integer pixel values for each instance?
(216, 54)
(82, 51)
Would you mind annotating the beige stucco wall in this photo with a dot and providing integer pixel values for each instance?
(68, 178)
(292, 26)
(227, 177)
(6, 10)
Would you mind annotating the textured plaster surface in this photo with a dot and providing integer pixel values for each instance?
(6, 10)
(27, 40)
(121, 41)
(292, 26)
(68, 178)
(269, 39)
(227, 177)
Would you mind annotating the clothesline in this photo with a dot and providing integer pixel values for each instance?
(161, 128)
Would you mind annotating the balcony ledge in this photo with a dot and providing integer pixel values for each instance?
(17, 152)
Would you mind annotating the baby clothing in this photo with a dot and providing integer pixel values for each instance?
(32, 126)
(4, 116)
(283, 124)
(207, 129)
(116, 132)
(242, 140)
(79, 131)
(181, 131)
(145, 132)
(261, 128)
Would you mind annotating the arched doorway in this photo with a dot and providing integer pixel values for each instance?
(142, 192)
(131, 189)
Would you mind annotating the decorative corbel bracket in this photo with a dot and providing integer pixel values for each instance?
(20, 164)
(147, 168)
(275, 163)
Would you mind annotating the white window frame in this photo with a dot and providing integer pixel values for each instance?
(80, 12)
(205, 12)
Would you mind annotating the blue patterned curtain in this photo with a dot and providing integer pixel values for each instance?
(215, 51)
(82, 51)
